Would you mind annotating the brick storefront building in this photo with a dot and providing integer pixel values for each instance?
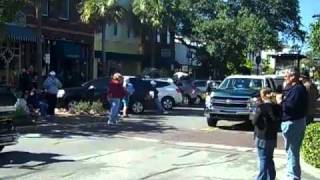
(67, 42)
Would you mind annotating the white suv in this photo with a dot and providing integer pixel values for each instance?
(169, 94)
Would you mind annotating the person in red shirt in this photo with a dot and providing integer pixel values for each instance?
(115, 93)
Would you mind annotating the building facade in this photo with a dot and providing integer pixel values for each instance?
(67, 42)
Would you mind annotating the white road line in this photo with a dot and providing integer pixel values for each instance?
(199, 145)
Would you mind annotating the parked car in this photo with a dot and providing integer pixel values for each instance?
(169, 94)
(190, 93)
(89, 91)
(234, 98)
(8, 133)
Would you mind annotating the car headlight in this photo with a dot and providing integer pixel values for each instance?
(252, 102)
(61, 93)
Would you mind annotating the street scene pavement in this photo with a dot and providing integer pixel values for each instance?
(175, 146)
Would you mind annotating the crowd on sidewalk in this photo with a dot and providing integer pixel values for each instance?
(292, 110)
(38, 99)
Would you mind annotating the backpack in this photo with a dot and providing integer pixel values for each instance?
(130, 88)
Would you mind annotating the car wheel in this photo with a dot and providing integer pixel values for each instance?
(167, 103)
(185, 100)
(212, 122)
(1, 148)
(137, 107)
(197, 100)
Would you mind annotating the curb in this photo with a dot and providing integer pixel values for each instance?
(313, 171)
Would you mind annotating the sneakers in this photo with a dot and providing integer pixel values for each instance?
(111, 123)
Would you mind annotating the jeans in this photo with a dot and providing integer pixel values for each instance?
(114, 110)
(52, 102)
(43, 108)
(265, 149)
(293, 133)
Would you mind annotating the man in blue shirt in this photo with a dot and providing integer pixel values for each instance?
(294, 110)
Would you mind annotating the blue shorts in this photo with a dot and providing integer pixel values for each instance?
(125, 101)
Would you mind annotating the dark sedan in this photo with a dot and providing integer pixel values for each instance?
(89, 91)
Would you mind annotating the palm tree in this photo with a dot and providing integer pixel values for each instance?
(102, 12)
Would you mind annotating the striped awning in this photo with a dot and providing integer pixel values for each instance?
(20, 33)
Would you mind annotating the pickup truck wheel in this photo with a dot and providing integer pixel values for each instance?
(1, 147)
(212, 122)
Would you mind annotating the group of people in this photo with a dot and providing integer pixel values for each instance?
(292, 111)
(120, 91)
(41, 99)
(116, 93)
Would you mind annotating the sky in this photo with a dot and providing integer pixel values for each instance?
(308, 8)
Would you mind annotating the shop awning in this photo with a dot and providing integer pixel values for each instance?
(20, 33)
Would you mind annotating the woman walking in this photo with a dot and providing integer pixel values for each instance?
(266, 124)
(115, 94)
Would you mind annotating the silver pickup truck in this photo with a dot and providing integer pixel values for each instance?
(234, 98)
(8, 133)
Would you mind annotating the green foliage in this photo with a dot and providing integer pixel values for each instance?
(101, 11)
(156, 13)
(315, 38)
(97, 107)
(82, 107)
(266, 69)
(89, 107)
(311, 145)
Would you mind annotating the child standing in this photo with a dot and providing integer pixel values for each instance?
(266, 124)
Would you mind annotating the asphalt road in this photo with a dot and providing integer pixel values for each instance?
(175, 146)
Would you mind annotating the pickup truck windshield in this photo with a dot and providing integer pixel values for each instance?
(241, 83)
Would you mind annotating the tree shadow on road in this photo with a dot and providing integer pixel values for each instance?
(98, 127)
(29, 160)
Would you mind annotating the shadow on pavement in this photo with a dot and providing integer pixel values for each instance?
(242, 126)
(187, 112)
(28, 160)
(67, 127)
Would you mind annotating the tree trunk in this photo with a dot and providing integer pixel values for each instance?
(39, 37)
(153, 40)
(103, 41)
